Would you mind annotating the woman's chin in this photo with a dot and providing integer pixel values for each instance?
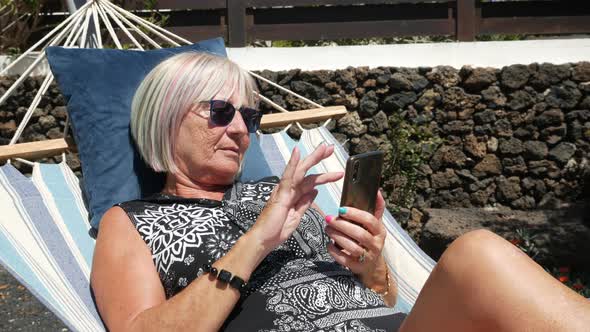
(226, 169)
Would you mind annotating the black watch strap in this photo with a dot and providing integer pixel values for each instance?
(239, 284)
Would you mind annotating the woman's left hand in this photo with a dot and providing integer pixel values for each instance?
(358, 238)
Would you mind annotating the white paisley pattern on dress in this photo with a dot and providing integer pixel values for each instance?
(170, 229)
(219, 244)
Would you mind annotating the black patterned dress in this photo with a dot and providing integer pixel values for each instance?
(298, 287)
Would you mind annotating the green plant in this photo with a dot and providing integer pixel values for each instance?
(525, 241)
(127, 46)
(18, 21)
(284, 43)
(155, 17)
(410, 146)
(578, 281)
(13, 51)
(500, 37)
(357, 41)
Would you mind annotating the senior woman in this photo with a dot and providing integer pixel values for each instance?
(210, 252)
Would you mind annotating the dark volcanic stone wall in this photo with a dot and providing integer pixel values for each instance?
(47, 121)
(517, 136)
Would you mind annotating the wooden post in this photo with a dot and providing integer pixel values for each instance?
(236, 13)
(466, 20)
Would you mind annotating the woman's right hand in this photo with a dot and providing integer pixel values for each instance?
(291, 198)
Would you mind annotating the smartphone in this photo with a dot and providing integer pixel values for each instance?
(361, 180)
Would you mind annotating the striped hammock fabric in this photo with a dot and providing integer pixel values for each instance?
(44, 239)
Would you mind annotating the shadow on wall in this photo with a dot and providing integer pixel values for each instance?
(552, 237)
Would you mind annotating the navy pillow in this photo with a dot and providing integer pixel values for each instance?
(99, 85)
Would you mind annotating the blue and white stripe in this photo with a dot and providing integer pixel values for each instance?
(50, 250)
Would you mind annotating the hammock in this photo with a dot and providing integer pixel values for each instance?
(44, 239)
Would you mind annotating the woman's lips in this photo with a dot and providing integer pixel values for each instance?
(232, 150)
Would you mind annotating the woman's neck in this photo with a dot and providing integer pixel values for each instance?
(181, 185)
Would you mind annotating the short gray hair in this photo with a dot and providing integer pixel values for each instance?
(170, 90)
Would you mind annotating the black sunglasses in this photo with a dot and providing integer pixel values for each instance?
(222, 113)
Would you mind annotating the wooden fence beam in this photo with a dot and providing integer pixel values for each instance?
(466, 20)
(236, 16)
(367, 29)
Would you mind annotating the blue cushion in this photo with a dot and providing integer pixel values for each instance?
(99, 85)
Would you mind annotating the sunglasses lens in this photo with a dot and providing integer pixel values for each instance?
(251, 118)
(221, 112)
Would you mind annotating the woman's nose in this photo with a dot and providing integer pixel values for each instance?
(237, 125)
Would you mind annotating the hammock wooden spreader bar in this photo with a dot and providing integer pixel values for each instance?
(54, 147)
(33, 150)
(307, 116)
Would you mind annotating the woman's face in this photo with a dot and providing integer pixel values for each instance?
(207, 153)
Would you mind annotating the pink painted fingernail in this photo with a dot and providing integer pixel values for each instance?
(329, 219)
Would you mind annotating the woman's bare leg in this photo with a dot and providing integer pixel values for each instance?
(484, 283)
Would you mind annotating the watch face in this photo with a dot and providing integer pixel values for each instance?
(224, 276)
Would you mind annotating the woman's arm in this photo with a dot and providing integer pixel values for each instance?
(130, 296)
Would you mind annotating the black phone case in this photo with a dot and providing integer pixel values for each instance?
(361, 181)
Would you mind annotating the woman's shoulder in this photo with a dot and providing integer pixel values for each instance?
(113, 221)
(123, 205)
(138, 206)
(130, 207)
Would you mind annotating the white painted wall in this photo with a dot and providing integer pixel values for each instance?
(480, 54)
(23, 65)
